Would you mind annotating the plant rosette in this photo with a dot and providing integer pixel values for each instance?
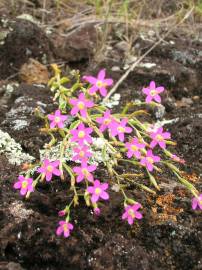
(87, 130)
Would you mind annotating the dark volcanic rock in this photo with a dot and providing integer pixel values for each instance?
(24, 41)
(77, 45)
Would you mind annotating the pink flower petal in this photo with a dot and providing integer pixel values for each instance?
(121, 137)
(138, 215)
(59, 231)
(94, 198)
(104, 195)
(160, 89)
(146, 91)
(149, 166)
(74, 110)
(103, 91)
(51, 117)
(130, 220)
(162, 144)
(52, 125)
(101, 74)
(90, 79)
(90, 189)
(108, 82)
(152, 85)
(57, 113)
(66, 233)
(48, 176)
(125, 215)
(157, 98)
(17, 185)
(23, 191)
(148, 99)
(105, 186)
(93, 89)
(153, 144)
(57, 172)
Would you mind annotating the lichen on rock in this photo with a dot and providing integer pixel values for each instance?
(13, 150)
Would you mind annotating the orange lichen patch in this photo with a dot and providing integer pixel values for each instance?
(167, 211)
(181, 192)
(164, 217)
(165, 200)
(34, 72)
(194, 178)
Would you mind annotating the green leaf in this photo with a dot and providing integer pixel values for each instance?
(64, 80)
(153, 180)
(74, 124)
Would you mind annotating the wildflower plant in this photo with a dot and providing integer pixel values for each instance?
(80, 125)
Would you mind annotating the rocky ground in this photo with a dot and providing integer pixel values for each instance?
(170, 235)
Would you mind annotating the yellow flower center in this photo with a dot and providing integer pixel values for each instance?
(131, 213)
(50, 168)
(134, 148)
(97, 191)
(107, 121)
(121, 129)
(81, 134)
(81, 105)
(65, 228)
(100, 84)
(159, 137)
(81, 153)
(24, 184)
(150, 160)
(153, 92)
(85, 172)
(57, 119)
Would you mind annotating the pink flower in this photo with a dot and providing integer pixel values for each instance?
(149, 160)
(80, 105)
(61, 213)
(81, 153)
(133, 148)
(96, 211)
(81, 134)
(49, 168)
(153, 92)
(105, 121)
(119, 128)
(131, 213)
(57, 119)
(84, 172)
(197, 202)
(159, 138)
(98, 191)
(99, 83)
(64, 228)
(177, 159)
(24, 184)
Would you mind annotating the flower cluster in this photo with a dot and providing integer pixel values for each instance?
(129, 140)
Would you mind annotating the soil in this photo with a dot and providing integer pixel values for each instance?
(170, 234)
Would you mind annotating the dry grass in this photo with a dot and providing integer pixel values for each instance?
(128, 17)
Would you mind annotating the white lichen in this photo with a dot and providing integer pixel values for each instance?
(19, 212)
(160, 112)
(112, 102)
(17, 116)
(96, 149)
(8, 89)
(13, 150)
(19, 124)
